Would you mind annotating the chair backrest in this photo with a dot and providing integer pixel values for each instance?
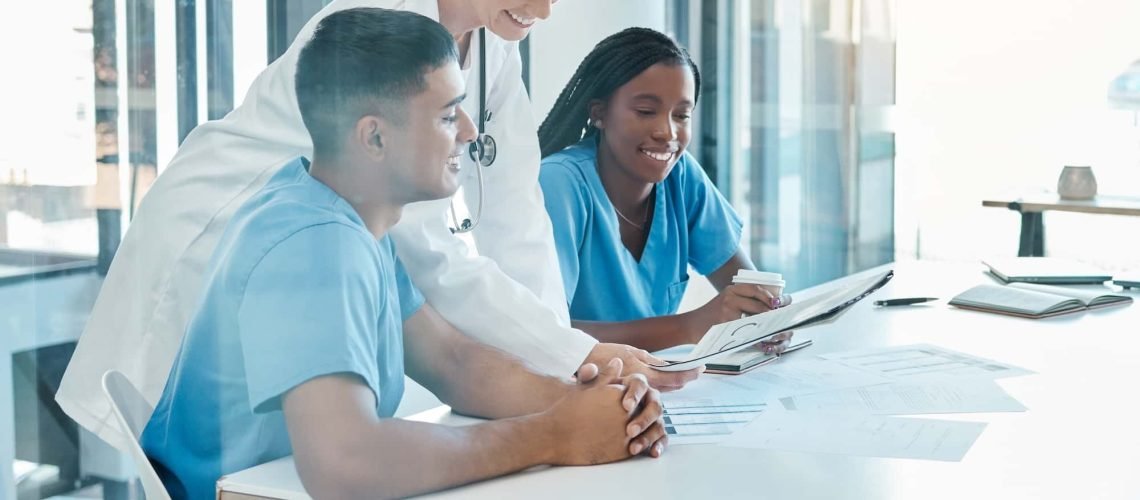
(132, 412)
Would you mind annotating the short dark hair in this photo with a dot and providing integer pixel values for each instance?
(612, 63)
(363, 61)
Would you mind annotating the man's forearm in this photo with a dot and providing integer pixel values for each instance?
(398, 458)
(494, 384)
(473, 378)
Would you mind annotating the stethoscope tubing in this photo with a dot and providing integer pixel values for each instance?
(483, 150)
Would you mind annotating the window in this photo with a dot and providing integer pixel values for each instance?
(795, 127)
(98, 95)
(52, 128)
(1000, 112)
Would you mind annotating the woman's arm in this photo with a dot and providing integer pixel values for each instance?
(722, 277)
(652, 334)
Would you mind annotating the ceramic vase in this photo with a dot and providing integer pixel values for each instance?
(1077, 183)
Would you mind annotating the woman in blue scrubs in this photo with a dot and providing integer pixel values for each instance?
(631, 209)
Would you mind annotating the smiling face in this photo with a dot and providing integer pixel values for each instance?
(646, 124)
(512, 20)
(422, 150)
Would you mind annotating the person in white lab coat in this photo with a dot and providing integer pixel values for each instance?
(510, 296)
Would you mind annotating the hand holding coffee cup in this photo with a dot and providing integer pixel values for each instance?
(773, 283)
(751, 292)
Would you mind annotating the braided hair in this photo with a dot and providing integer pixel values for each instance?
(612, 63)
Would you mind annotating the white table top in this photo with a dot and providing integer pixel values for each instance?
(1079, 439)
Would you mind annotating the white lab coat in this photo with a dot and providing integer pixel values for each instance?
(510, 296)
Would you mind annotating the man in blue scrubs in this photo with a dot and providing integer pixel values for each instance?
(307, 318)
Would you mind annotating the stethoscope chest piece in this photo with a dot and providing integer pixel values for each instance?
(483, 150)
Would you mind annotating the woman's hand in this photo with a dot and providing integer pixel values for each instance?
(733, 302)
(776, 343)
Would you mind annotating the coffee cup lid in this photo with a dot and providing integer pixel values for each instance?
(758, 277)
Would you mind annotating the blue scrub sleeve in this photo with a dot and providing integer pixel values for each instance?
(564, 191)
(310, 309)
(714, 227)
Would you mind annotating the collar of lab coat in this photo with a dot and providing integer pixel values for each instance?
(427, 8)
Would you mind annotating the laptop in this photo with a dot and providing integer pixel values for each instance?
(1046, 270)
(1128, 282)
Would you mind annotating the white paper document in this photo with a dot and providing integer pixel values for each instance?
(787, 377)
(924, 362)
(860, 435)
(700, 421)
(968, 396)
(726, 338)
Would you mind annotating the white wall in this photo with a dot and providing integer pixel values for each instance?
(575, 26)
(997, 96)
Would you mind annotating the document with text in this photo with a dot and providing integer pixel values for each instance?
(860, 435)
(787, 377)
(924, 362)
(967, 396)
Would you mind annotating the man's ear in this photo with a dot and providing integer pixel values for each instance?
(370, 136)
(597, 111)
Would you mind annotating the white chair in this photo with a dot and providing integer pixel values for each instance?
(132, 412)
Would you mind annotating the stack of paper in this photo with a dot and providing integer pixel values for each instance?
(909, 398)
(865, 435)
(842, 403)
(786, 378)
(717, 395)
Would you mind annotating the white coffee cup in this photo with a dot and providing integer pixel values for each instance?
(772, 282)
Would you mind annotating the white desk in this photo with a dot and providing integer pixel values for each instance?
(1079, 439)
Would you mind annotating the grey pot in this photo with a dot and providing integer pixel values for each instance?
(1077, 183)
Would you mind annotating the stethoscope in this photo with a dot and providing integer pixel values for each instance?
(483, 150)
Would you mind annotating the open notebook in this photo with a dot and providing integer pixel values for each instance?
(1035, 301)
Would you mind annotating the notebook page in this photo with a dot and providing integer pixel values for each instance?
(1013, 299)
(1087, 297)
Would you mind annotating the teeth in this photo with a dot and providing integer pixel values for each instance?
(657, 156)
(525, 21)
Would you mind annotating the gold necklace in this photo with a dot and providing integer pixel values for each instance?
(644, 218)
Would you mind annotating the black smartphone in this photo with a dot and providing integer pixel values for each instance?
(744, 361)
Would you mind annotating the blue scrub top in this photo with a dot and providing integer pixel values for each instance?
(692, 225)
(297, 289)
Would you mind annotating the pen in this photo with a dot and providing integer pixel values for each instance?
(904, 302)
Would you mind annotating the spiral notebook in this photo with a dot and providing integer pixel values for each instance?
(725, 339)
